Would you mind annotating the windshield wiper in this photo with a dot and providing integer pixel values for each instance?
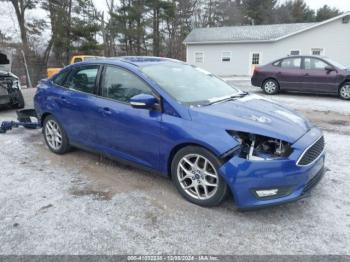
(228, 98)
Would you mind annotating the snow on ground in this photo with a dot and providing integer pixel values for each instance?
(298, 101)
(80, 203)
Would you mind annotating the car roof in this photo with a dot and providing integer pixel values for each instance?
(137, 61)
(301, 56)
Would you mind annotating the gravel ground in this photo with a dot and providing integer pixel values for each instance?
(80, 203)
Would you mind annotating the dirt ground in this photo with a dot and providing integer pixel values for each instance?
(80, 203)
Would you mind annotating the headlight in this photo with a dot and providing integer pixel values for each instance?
(260, 148)
(16, 84)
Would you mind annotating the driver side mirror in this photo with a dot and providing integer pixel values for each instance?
(143, 101)
(329, 68)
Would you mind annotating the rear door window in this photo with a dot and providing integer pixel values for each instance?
(60, 77)
(291, 63)
(277, 63)
(83, 79)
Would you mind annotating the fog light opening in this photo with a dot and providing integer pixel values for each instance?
(266, 193)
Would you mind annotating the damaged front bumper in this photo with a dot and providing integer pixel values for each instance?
(10, 90)
(256, 184)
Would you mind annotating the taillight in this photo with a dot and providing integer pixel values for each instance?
(256, 70)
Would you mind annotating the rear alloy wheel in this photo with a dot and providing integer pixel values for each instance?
(271, 87)
(55, 137)
(344, 91)
(195, 174)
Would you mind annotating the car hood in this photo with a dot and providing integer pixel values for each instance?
(7, 74)
(254, 114)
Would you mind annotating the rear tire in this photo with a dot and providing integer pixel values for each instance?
(195, 173)
(344, 91)
(55, 136)
(271, 87)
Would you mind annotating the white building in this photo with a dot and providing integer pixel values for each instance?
(236, 50)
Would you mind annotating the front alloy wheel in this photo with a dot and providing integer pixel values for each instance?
(344, 91)
(195, 174)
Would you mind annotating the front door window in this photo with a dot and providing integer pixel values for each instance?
(121, 85)
(314, 64)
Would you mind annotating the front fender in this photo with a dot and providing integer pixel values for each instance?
(177, 132)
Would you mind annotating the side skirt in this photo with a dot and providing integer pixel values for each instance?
(120, 160)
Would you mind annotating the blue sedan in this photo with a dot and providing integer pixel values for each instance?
(181, 121)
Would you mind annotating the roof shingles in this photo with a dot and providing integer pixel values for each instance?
(257, 33)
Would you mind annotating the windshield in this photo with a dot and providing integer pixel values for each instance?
(336, 64)
(188, 84)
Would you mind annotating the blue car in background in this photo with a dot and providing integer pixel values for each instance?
(181, 121)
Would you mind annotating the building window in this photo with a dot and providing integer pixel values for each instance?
(255, 59)
(295, 52)
(317, 51)
(226, 56)
(199, 57)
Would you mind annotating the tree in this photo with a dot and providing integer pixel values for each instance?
(60, 19)
(178, 26)
(258, 12)
(159, 10)
(21, 7)
(74, 26)
(301, 13)
(109, 30)
(4, 38)
(232, 13)
(84, 27)
(294, 11)
(130, 21)
(326, 12)
(283, 13)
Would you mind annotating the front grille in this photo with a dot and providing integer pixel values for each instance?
(312, 153)
(314, 181)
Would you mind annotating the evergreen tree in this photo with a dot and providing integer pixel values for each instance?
(301, 13)
(159, 10)
(84, 27)
(325, 13)
(258, 12)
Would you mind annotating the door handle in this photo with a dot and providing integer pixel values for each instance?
(64, 99)
(105, 111)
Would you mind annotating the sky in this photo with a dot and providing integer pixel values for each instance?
(342, 5)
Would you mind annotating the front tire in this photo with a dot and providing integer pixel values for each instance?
(19, 100)
(195, 173)
(344, 91)
(55, 136)
(270, 87)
